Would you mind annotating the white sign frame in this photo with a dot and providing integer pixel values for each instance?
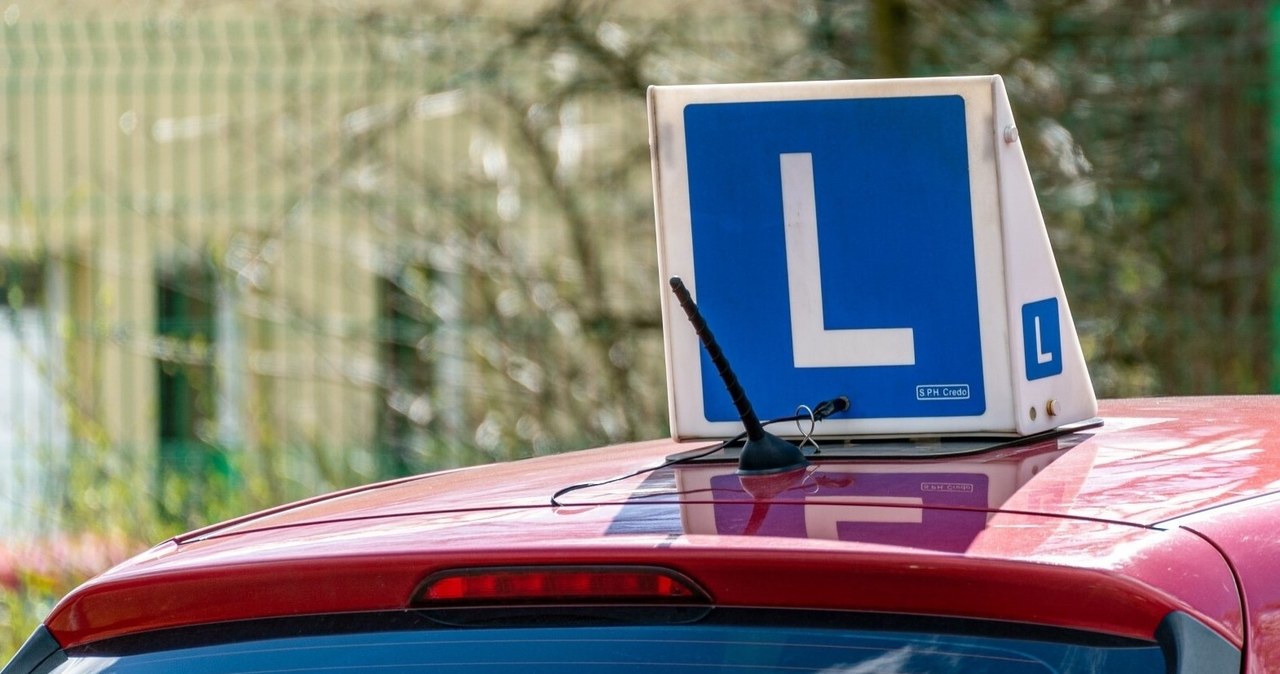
(1014, 264)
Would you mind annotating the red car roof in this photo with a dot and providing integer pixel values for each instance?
(1087, 532)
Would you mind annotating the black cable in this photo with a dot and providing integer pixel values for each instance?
(555, 502)
(555, 498)
(826, 408)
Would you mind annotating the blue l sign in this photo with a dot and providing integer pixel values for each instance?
(1041, 339)
(834, 254)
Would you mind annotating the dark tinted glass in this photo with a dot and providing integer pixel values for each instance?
(704, 649)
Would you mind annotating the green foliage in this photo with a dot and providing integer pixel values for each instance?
(35, 574)
(22, 607)
(483, 179)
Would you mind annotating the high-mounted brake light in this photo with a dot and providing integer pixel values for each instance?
(557, 585)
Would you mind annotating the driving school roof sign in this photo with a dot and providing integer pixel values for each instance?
(876, 239)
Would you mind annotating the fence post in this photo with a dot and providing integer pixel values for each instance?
(1273, 102)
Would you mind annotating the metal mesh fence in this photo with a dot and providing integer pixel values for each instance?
(270, 256)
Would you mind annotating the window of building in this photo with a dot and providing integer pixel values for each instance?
(408, 413)
(33, 428)
(192, 462)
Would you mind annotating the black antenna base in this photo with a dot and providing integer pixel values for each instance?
(769, 454)
(764, 453)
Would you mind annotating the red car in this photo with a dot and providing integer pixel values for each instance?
(1006, 529)
(1145, 542)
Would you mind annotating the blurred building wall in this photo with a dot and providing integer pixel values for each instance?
(269, 250)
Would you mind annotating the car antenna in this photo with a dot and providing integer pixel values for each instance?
(764, 453)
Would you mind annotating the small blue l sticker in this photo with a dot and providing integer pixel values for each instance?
(1042, 339)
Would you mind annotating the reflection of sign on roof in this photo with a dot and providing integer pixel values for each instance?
(871, 508)
(874, 239)
(939, 505)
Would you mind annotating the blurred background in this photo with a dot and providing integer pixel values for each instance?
(253, 251)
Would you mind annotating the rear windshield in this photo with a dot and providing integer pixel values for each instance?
(700, 649)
